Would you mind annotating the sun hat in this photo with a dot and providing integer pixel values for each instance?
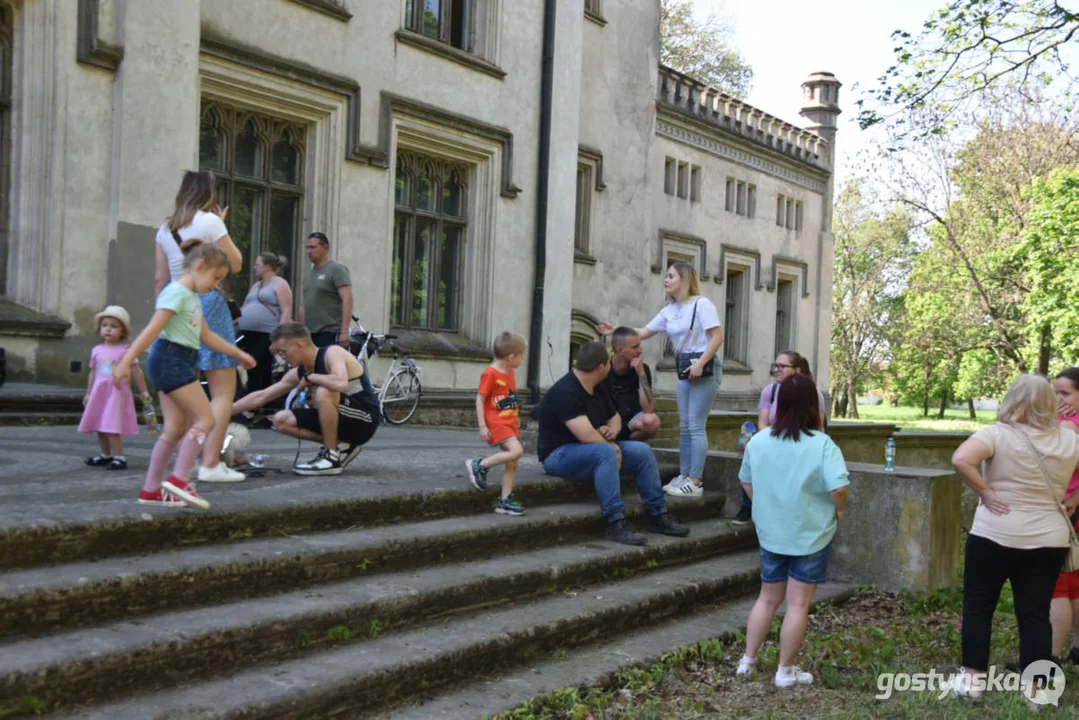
(117, 313)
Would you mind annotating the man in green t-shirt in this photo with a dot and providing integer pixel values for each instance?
(327, 295)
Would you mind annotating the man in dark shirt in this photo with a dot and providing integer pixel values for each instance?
(630, 386)
(578, 427)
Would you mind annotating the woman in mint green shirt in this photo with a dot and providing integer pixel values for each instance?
(797, 479)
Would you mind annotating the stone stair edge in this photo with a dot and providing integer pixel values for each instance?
(175, 644)
(362, 676)
(38, 599)
(599, 665)
(140, 529)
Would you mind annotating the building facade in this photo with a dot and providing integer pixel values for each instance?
(412, 133)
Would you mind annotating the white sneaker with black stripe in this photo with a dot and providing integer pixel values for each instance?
(327, 462)
(675, 482)
(688, 489)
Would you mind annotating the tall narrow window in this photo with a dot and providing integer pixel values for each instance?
(741, 206)
(581, 226)
(798, 217)
(784, 313)
(429, 227)
(729, 205)
(670, 171)
(695, 183)
(448, 21)
(751, 201)
(734, 316)
(258, 161)
(790, 214)
(7, 36)
(683, 180)
(780, 210)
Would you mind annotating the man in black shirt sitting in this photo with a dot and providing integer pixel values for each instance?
(578, 430)
(630, 386)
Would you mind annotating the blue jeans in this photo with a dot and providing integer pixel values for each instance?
(171, 366)
(695, 398)
(599, 463)
(810, 569)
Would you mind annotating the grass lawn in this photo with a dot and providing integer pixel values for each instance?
(847, 647)
(912, 420)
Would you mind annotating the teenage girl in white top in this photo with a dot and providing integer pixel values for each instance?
(691, 321)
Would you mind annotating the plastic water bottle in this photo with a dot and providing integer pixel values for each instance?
(889, 455)
(150, 415)
(748, 429)
(301, 399)
(258, 460)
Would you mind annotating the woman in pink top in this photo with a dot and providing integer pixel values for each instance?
(1064, 610)
(1019, 534)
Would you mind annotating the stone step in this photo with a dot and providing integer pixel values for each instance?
(369, 676)
(61, 597)
(111, 660)
(113, 524)
(595, 665)
(17, 418)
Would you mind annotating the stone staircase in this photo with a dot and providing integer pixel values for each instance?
(303, 601)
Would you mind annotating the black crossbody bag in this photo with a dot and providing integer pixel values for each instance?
(683, 360)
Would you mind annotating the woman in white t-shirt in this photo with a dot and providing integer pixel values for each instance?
(692, 323)
(1020, 533)
(198, 217)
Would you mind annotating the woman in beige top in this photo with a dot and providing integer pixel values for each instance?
(1019, 533)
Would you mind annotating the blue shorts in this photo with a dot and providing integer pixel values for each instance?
(218, 318)
(171, 366)
(810, 569)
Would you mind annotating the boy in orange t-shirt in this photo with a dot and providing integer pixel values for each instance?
(496, 414)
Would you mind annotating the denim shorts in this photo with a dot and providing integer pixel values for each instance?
(171, 366)
(810, 569)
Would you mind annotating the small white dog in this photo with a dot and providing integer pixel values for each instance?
(234, 449)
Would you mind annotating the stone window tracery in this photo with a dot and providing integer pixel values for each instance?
(258, 162)
(429, 230)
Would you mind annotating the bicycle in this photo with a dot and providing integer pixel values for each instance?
(400, 391)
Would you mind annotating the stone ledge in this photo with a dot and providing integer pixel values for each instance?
(16, 319)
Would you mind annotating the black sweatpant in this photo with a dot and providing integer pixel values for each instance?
(1033, 574)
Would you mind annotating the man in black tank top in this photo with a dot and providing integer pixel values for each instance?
(344, 410)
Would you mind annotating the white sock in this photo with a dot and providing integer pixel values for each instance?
(119, 457)
(749, 660)
(785, 670)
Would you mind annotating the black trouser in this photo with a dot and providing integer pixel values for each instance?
(257, 345)
(1033, 574)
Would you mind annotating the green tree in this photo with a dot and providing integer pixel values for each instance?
(1047, 254)
(965, 51)
(701, 50)
(872, 256)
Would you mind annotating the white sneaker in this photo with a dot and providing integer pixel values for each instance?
(675, 482)
(220, 473)
(961, 686)
(747, 667)
(793, 676)
(688, 489)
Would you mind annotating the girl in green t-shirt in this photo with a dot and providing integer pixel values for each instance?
(176, 330)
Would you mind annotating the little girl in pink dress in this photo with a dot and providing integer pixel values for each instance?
(110, 410)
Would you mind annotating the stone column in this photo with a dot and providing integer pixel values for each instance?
(155, 138)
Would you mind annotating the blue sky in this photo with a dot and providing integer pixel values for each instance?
(786, 40)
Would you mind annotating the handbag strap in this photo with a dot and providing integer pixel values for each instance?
(692, 320)
(1048, 482)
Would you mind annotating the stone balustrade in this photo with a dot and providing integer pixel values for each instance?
(901, 530)
(705, 103)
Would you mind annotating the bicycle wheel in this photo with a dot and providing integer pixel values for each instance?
(402, 397)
